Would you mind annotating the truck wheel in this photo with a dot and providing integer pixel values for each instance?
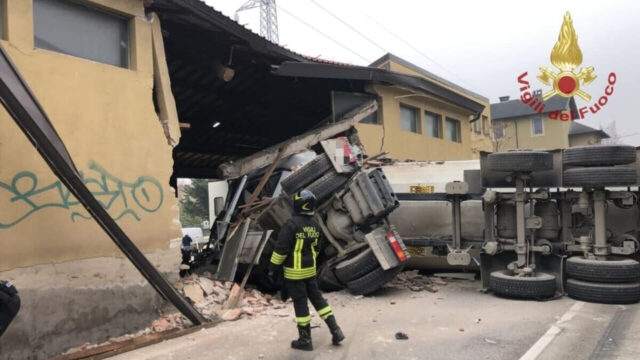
(540, 286)
(328, 281)
(599, 155)
(608, 271)
(522, 161)
(624, 293)
(372, 281)
(328, 184)
(599, 176)
(360, 265)
(306, 174)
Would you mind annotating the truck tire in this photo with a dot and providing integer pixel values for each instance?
(362, 264)
(306, 174)
(328, 184)
(599, 155)
(606, 271)
(599, 176)
(372, 281)
(623, 293)
(522, 161)
(540, 286)
(327, 280)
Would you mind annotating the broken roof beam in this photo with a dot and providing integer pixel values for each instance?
(234, 169)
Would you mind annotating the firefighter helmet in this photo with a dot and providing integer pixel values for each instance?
(304, 202)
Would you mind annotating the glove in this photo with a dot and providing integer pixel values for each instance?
(273, 273)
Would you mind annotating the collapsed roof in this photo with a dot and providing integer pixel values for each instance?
(269, 98)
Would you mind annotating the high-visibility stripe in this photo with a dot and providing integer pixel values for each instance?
(277, 259)
(325, 312)
(303, 320)
(298, 274)
(297, 254)
(313, 250)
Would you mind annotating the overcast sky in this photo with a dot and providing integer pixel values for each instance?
(481, 45)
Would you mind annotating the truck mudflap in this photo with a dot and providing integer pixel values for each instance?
(388, 247)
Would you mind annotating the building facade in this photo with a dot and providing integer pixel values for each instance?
(91, 64)
(518, 126)
(416, 126)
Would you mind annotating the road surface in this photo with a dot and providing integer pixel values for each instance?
(458, 322)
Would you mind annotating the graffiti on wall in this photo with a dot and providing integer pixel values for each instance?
(25, 196)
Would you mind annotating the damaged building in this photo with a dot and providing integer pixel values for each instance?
(143, 93)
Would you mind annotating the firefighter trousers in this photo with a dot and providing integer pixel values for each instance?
(300, 291)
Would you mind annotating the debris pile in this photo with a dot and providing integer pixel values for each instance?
(413, 281)
(209, 297)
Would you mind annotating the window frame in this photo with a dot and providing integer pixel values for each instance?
(533, 126)
(438, 120)
(114, 13)
(418, 120)
(498, 126)
(476, 127)
(458, 129)
(485, 120)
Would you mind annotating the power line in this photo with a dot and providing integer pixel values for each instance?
(349, 26)
(420, 52)
(323, 34)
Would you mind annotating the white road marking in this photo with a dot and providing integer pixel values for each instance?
(553, 331)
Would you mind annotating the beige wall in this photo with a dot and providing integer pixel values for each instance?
(555, 134)
(478, 142)
(403, 144)
(105, 116)
(584, 139)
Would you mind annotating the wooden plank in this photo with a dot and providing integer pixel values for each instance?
(109, 350)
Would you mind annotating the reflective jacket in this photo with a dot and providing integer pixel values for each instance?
(297, 247)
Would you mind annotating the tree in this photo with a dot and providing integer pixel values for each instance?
(194, 203)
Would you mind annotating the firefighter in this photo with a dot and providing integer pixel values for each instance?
(296, 250)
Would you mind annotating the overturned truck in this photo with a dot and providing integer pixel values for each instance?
(362, 250)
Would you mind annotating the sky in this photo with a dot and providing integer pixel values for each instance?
(481, 45)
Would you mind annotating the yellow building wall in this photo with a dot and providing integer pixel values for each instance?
(406, 145)
(106, 117)
(555, 134)
(584, 139)
(477, 142)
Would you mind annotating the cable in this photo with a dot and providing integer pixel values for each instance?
(323, 34)
(349, 26)
(420, 52)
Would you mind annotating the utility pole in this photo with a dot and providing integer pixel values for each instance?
(268, 17)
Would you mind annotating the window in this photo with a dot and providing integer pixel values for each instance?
(453, 130)
(476, 126)
(484, 125)
(537, 125)
(409, 118)
(498, 130)
(432, 124)
(82, 31)
(371, 119)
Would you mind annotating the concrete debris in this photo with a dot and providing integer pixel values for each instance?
(358, 297)
(193, 292)
(208, 296)
(232, 314)
(490, 341)
(413, 281)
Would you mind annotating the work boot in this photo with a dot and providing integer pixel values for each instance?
(336, 332)
(304, 340)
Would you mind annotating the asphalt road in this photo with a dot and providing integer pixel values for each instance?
(458, 322)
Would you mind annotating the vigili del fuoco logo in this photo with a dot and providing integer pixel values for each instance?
(567, 81)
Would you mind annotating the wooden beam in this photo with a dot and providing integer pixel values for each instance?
(296, 144)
